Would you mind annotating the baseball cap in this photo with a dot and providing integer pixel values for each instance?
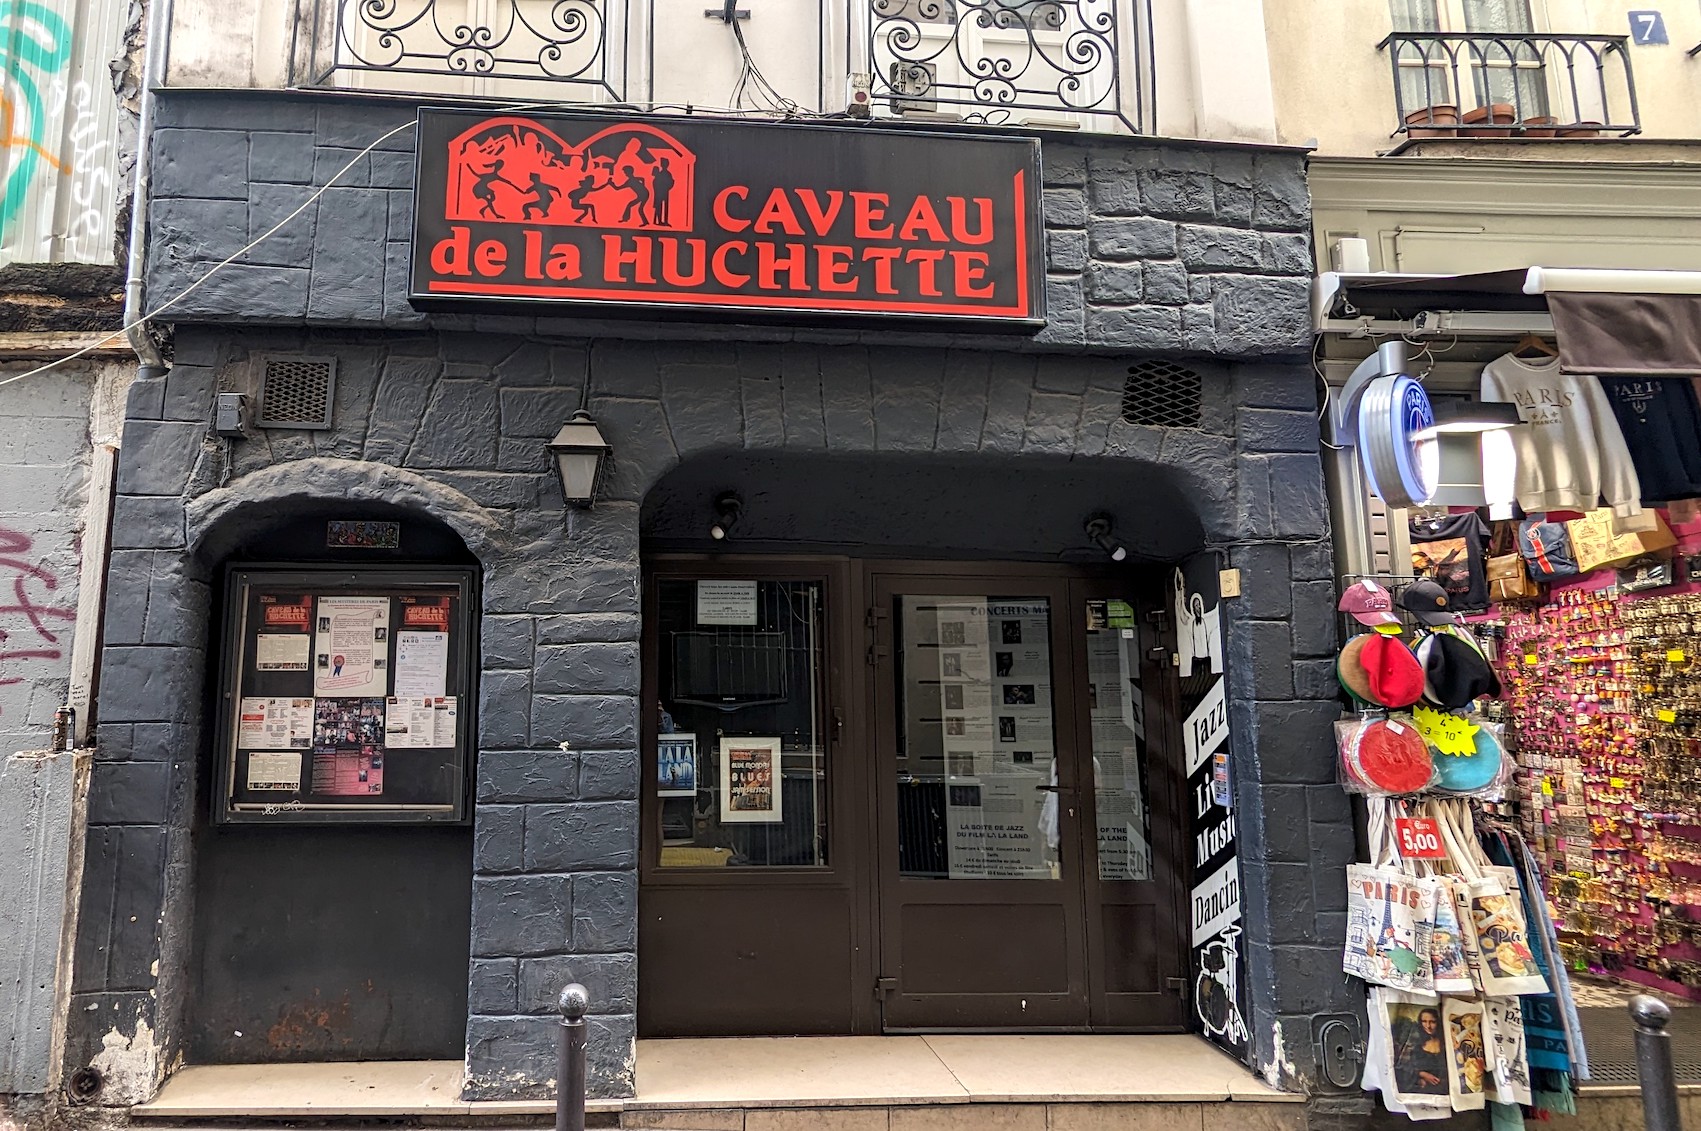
(1427, 601)
(1369, 603)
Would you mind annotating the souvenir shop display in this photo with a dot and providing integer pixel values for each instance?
(1554, 827)
(1440, 934)
(1605, 699)
(1452, 945)
(1570, 450)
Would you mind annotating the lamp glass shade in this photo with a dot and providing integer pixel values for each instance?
(579, 450)
(1456, 417)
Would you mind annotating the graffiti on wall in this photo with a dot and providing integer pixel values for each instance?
(32, 57)
(58, 121)
(35, 623)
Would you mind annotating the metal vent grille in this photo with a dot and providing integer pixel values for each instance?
(297, 392)
(1162, 394)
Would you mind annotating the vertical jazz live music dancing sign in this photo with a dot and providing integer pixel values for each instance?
(1219, 968)
(733, 217)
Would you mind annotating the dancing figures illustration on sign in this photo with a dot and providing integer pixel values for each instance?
(513, 170)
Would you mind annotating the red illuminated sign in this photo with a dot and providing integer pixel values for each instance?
(700, 215)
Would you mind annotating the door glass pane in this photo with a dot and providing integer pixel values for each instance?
(977, 773)
(1118, 709)
(741, 754)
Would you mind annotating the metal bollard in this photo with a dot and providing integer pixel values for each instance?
(570, 1060)
(1653, 1064)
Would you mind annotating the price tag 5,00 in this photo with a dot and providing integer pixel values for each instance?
(1419, 838)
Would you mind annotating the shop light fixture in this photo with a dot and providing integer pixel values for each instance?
(728, 508)
(1386, 415)
(1464, 417)
(1099, 528)
(579, 451)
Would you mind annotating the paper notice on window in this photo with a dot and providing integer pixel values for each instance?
(444, 720)
(348, 773)
(276, 771)
(420, 723)
(264, 722)
(281, 652)
(351, 646)
(422, 664)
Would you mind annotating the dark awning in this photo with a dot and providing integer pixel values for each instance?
(1606, 322)
(1629, 335)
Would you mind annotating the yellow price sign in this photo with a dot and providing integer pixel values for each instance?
(1616, 783)
(1666, 716)
(1674, 656)
(1531, 659)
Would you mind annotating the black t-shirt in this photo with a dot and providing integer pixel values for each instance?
(1661, 422)
(1450, 550)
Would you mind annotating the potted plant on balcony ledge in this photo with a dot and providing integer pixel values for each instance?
(1439, 120)
(1499, 114)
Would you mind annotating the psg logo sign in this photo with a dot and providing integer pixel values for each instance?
(1396, 442)
(700, 215)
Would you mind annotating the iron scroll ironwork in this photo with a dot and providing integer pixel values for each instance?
(568, 42)
(1006, 61)
(1512, 84)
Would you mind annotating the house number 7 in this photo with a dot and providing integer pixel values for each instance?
(1647, 28)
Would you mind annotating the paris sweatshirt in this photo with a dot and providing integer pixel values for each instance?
(1570, 450)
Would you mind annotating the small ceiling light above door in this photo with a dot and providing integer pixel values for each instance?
(728, 508)
(1099, 528)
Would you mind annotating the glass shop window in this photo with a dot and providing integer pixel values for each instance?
(741, 739)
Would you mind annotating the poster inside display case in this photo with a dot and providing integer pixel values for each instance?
(344, 696)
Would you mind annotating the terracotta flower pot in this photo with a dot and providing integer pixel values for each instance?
(1499, 114)
(1581, 129)
(1540, 126)
(1433, 121)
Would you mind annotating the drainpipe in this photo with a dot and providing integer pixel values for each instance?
(103, 469)
(153, 73)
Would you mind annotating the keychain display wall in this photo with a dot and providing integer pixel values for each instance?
(1603, 700)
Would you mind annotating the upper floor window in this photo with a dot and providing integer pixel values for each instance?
(1506, 72)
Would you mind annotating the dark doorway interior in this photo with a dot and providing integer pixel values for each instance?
(317, 942)
(322, 944)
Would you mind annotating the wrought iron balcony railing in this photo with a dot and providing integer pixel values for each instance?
(1073, 63)
(1082, 64)
(571, 50)
(1489, 84)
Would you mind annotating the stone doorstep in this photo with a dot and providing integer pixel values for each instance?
(776, 1084)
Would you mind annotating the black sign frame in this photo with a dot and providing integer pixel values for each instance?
(489, 217)
(451, 766)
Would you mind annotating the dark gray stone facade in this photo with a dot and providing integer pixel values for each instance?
(1154, 248)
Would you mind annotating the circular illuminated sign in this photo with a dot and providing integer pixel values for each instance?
(1402, 461)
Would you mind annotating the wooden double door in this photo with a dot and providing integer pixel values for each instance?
(907, 796)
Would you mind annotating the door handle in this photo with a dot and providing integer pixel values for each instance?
(838, 725)
(1055, 788)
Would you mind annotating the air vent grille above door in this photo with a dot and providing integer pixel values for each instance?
(297, 392)
(1162, 394)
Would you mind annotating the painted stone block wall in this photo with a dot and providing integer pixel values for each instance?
(1153, 248)
(44, 467)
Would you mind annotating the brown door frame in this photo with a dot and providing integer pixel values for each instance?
(1166, 785)
(846, 866)
(1059, 1011)
(856, 834)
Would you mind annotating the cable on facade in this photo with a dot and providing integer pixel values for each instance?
(215, 268)
(753, 82)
